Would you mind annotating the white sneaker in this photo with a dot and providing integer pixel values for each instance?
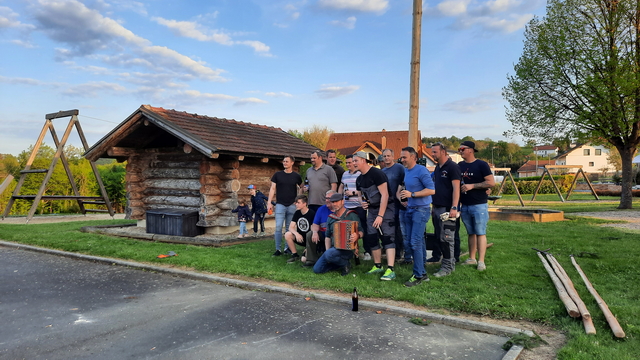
(470, 261)
(367, 256)
(481, 266)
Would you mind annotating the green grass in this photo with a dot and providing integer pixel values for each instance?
(579, 202)
(515, 285)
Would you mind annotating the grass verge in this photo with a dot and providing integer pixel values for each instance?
(515, 285)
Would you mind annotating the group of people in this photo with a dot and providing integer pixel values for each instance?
(391, 207)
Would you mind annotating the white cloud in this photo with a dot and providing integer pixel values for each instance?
(331, 91)
(349, 23)
(92, 89)
(20, 81)
(377, 6)
(194, 30)
(504, 16)
(480, 103)
(245, 101)
(90, 34)
(278, 94)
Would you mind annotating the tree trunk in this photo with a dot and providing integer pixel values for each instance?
(626, 195)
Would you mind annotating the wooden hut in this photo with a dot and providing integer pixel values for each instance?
(181, 161)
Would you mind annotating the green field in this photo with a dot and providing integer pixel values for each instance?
(515, 285)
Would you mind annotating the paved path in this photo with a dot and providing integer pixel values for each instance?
(56, 307)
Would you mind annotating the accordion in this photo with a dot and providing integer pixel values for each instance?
(342, 231)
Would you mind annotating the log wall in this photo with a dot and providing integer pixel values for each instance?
(176, 180)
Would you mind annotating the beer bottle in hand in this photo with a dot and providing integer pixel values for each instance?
(403, 188)
(354, 300)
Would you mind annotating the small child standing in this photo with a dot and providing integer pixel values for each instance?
(244, 215)
(258, 209)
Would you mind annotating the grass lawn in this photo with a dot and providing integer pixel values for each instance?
(515, 285)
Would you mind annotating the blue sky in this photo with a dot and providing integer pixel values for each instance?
(289, 64)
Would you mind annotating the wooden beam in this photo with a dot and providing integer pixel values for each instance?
(215, 155)
(240, 157)
(265, 160)
(6, 182)
(61, 114)
(302, 163)
(187, 148)
(563, 166)
(121, 151)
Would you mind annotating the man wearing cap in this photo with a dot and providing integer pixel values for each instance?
(476, 179)
(337, 259)
(321, 178)
(332, 160)
(285, 185)
(373, 186)
(418, 190)
(395, 175)
(258, 209)
(446, 178)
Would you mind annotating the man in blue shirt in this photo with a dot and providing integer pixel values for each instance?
(418, 190)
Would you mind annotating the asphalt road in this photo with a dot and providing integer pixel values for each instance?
(55, 307)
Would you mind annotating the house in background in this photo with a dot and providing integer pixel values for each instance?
(534, 168)
(549, 151)
(181, 161)
(374, 142)
(593, 158)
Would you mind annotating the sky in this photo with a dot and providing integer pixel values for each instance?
(344, 64)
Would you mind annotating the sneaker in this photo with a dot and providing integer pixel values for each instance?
(433, 260)
(470, 261)
(260, 234)
(367, 257)
(293, 258)
(405, 262)
(388, 275)
(481, 266)
(442, 273)
(277, 253)
(416, 281)
(308, 263)
(287, 251)
(375, 270)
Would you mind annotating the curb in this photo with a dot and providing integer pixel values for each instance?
(472, 325)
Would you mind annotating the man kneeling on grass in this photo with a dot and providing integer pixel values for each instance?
(299, 227)
(338, 259)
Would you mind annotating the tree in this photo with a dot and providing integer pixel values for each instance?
(579, 76)
(316, 135)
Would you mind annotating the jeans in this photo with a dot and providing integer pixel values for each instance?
(284, 214)
(475, 218)
(258, 219)
(243, 228)
(332, 259)
(415, 222)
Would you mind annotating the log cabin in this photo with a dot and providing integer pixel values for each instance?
(182, 161)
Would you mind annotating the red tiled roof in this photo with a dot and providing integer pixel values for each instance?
(211, 135)
(530, 166)
(346, 142)
(545, 147)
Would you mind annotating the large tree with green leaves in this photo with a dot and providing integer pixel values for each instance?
(579, 76)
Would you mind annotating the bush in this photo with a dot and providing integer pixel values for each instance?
(529, 186)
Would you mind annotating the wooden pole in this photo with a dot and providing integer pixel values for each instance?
(613, 322)
(414, 93)
(587, 322)
(572, 309)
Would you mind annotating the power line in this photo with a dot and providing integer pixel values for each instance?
(90, 117)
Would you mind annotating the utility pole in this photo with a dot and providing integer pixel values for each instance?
(414, 94)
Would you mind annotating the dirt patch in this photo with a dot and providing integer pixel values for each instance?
(631, 218)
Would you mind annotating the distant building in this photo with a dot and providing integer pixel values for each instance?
(534, 167)
(593, 158)
(546, 150)
(375, 141)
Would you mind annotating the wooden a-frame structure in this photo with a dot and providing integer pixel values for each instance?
(575, 180)
(508, 171)
(59, 155)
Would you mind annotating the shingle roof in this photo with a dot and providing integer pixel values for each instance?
(346, 142)
(530, 166)
(207, 134)
(545, 147)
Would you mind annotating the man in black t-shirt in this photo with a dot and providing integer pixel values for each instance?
(286, 186)
(299, 227)
(373, 186)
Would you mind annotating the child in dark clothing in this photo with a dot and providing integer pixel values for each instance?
(244, 215)
(258, 209)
